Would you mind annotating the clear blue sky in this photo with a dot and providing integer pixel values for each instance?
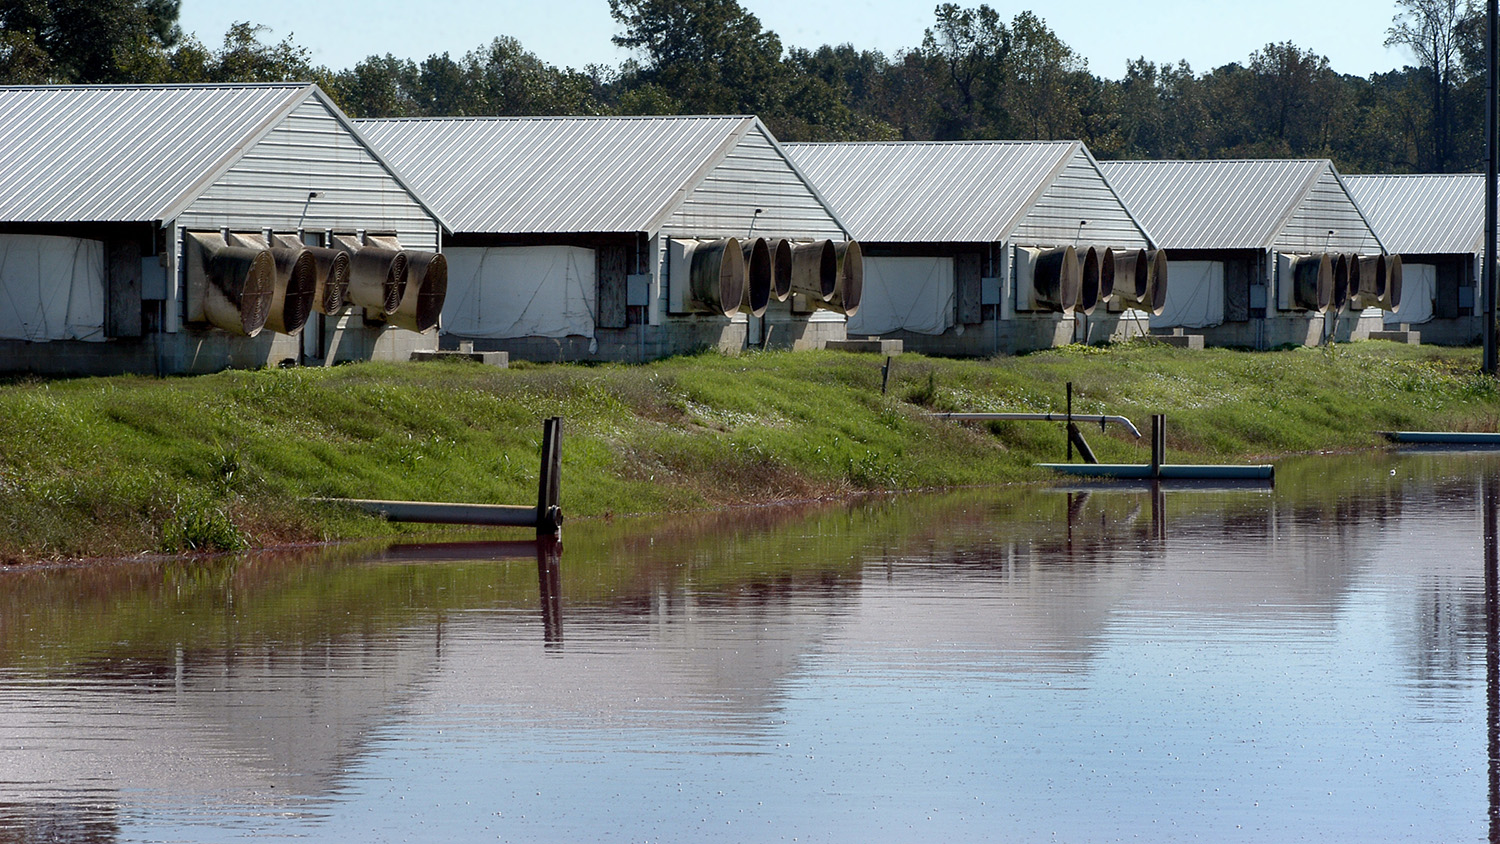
(574, 33)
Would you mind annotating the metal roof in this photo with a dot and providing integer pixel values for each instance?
(1239, 204)
(960, 191)
(526, 175)
(1423, 214)
(116, 153)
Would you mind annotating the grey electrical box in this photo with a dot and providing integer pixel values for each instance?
(638, 291)
(989, 291)
(1257, 295)
(153, 279)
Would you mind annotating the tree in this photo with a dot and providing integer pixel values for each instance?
(1297, 91)
(970, 47)
(917, 99)
(242, 57)
(377, 86)
(832, 95)
(508, 79)
(1433, 31)
(245, 58)
(1047, 83)
(22, 60)
(710, 56)
(1142, 111)
(444, 87)
(84, 41)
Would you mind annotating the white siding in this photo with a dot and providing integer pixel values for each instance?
(311, 151)
(753, 175)
(1078, 193)
(1327, 207)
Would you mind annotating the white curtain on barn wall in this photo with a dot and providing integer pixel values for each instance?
(51, 288)
(1195, 295)
(520, 291)
(1418, 289)
(915, 294)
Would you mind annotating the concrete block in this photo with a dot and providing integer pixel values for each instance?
(500, 359)
(1181, 341)
(1413, 338)
(877, 346)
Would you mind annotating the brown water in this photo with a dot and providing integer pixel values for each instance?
(1307, 664)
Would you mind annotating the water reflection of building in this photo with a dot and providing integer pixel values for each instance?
(709, 634)
(279, 722)
(62, 821)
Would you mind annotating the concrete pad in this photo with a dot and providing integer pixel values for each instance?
(1413, 338)
(877, 346)
(500, 359)
(1181, 341)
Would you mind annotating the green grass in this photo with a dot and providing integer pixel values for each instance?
(118, 466)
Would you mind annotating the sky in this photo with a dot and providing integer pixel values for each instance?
(575, 33)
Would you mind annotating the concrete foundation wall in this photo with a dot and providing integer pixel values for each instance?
(797, 332)
(72, 357)
(1293, 329)
(347, 338)
(197, 351)
(641, 343)
(1022, 334)
(1460, 331)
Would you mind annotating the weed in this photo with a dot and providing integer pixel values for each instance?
(199, 526)
(924, 394)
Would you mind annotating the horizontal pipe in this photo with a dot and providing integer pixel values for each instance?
(1442, 437)
(1039, 417)
(444, 513)
(1169, 471)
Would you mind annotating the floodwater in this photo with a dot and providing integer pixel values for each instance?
(1313, 663)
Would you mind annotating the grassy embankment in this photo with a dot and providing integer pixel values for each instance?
(114, 466)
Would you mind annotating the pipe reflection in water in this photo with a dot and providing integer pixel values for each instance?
(1492, 643)
(1076, 502)
(549, 584)
(546, 550)
(1158, 512)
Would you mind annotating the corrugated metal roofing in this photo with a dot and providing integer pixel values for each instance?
(1423, 214)
(1240, 204)
(524, 175)
(124, 153)
(961, 191)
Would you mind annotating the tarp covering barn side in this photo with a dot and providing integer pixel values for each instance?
(911, 294)
(1195, 298)
(51, 288)
(1418, 293)
(520, 291)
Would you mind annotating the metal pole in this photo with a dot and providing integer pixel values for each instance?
(1158, 442)
(1487, 278)
(1070, 422)
(548, 516)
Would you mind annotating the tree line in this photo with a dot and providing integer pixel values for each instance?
(974, 76)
